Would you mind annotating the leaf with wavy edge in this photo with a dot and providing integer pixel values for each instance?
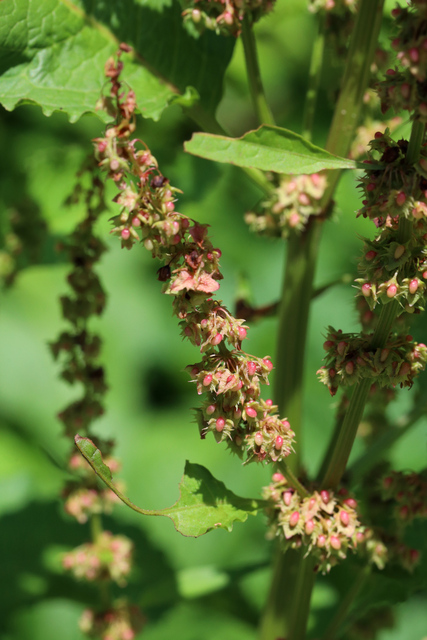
(204, 503)
(268, 148)
(53, 53)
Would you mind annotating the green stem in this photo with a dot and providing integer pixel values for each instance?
(95, 526)
(293, 480)
(293, 322)
(299, 273)
(262, 109)
(314, 75)
(345, 605)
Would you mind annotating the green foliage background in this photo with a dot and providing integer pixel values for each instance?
(211, 587)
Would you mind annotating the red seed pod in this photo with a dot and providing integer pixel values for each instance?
(252, 367)
(219, 424)
(278, 443)
(325, 496)
(287, 497)
(391, 291)
(321, 540)
(400, 198)
(328, 345)
(413, 286)
(366, 289)
(341, 347)
(242, 333)
(211, 409)
(370, 255)
(251, 412)
(349, 368)
(351, 502)
(268, 363)
(345, 518)
(309, 527)
(335, 543)
(125, 234)
(278, 477)
(286, 425)
(207, 380)
(294, 519)
(258, 438)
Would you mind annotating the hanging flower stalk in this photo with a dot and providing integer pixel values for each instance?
(230, 379)
(106, 558)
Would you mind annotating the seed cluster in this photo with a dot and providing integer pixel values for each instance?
(408, 491)
(231, 378)
(324, 523)
(120, 622)
(405, 85)
(108, 558)
(289, 207)
(224, 16)
(350, 358)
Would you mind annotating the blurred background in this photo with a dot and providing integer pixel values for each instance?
(190, 589)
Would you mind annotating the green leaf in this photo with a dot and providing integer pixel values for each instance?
(53, 53)
(204, 503)
(268, 148)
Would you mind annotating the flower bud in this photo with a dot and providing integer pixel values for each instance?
(345, 518)
(219, 424)
(391, 291)
(258, 438)
(335, 543)
(294, 518)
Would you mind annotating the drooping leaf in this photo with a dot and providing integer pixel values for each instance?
(204, 503)
(53, 53)
(268, 148)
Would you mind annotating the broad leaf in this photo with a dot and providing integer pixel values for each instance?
(204, 503)
(268, 148)
(53, 53)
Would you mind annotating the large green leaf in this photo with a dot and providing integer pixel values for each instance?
(53, 53)
(268, 148)
(204, 503)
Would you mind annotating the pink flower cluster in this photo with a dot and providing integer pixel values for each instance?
(324, 523)
(291, 203)
(402, 87)
(230, 377)
(408, 490)
(224, 16)
(121, 622)
(349, 359)
(83, 496)
(109, 558)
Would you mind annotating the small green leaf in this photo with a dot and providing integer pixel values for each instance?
(205, 504)
(268, 148)
(94, 457)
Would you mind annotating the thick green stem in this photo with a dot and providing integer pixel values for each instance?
(278, 621)
(262, 109)
(314, 75)
(293, 321)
